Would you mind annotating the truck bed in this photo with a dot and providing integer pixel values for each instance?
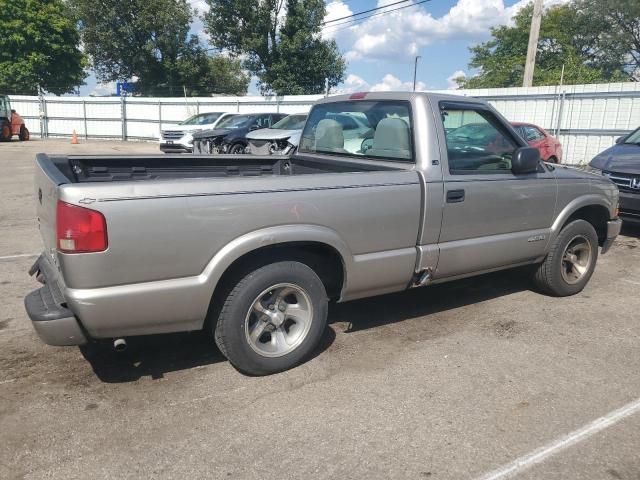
(112, 168)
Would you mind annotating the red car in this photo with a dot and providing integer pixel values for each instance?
(549, 146)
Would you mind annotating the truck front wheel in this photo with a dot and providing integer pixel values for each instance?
(273, 318)
(570, 262)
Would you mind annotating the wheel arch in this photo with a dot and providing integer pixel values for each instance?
(318, 247)
(593, 209)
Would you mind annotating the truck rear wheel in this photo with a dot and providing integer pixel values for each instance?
(273, 318)
(24, 134)
(570, 262)
(5, 132)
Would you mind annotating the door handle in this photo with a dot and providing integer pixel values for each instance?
(455, 196)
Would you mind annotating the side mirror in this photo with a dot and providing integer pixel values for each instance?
(620, 139)
(525, 160)
(255, 127)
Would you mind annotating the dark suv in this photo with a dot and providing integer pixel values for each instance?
(229, 136)
(621, 163)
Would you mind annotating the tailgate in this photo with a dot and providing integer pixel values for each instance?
(47, 179)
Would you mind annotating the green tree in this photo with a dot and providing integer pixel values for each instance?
(281, 42)
(149, 41)
(39, 45)
(205, 75)
(567, 37)
(619, 35)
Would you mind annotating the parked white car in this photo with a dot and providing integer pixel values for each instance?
(280, 139)
(179, 137)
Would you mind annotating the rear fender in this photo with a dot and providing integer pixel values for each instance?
(273, 236)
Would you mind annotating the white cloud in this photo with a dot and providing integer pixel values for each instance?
(451, 80)
(334, 11)
(104, 89)
(354, 83)
(201, 6)
(402, 33)
(392, 83)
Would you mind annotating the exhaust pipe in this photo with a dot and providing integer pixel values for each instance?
(119, 344)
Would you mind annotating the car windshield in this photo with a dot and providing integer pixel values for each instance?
(633, 138)
(476, 133)
(201, 119)
(292, 122)
(377, 129)
(237, 121)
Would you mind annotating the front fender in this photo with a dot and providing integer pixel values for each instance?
(575, 205)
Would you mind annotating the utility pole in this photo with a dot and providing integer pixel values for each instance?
(415, 71)
(534, 34)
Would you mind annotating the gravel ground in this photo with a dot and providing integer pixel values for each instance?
(447, 382)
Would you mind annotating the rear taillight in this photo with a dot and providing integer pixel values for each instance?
(79, 229)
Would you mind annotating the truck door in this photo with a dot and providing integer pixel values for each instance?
(491, 217)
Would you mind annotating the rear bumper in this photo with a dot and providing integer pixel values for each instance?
(54, 323)
(613, 230)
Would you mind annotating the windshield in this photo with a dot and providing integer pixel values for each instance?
(237, 121)
(475, 132)
(633, 138)
(379, 129)
(201, 119)
(292, 122)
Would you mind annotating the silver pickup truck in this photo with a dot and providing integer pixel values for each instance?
(253, 248)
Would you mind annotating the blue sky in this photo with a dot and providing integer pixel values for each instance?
(380, 50)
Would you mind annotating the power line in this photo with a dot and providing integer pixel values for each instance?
(350, 23)
(363, 12)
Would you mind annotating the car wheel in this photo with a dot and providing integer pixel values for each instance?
(237, 149)
(552, 160)
(24, 134)
(5, 132)
(273, 318)
(570, 262)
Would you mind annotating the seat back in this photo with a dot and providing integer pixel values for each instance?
(329, 136)
(391, 139)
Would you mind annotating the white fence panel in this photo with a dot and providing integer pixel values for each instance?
(586, 118)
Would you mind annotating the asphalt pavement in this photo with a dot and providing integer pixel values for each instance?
(454, 381)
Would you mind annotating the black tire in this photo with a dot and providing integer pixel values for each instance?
(24, 134)
(237, 149)
(231, 326)
(552, 160)
(549, 277)
(5, 132)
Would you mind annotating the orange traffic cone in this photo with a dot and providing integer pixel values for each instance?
(74, 138)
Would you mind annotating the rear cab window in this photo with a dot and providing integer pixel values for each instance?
(374, 129)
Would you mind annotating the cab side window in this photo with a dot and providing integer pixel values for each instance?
(477, 142)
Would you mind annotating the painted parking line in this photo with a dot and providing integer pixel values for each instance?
(537, 456)
(22, 255)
